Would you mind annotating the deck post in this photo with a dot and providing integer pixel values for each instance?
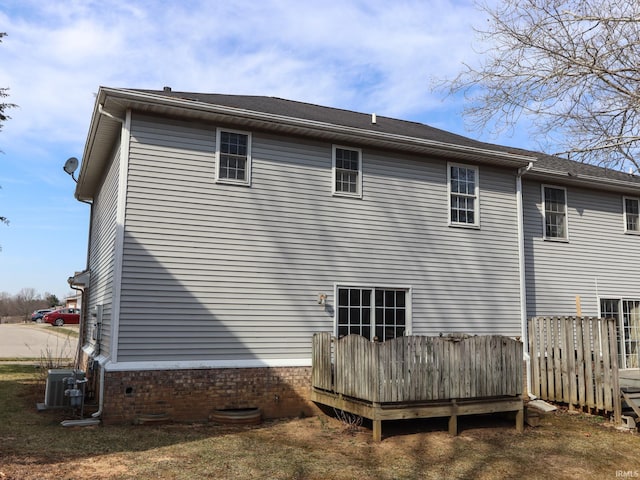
(520, 420)
(377, 430)
(453, 425)
(615, 380)
(453, 419)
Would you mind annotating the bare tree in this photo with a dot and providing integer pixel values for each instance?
(3, 94)
(27, 299)
(3, 116)
(24, 302)
(6, 304)
(572, 66)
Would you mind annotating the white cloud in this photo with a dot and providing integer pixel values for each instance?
(372, 56)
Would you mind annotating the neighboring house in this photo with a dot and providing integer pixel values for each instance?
(226, 230)
(582, 244)
(73, 301)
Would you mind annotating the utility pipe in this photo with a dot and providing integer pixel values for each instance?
(523, 288)
(81, 330)
(98, 414)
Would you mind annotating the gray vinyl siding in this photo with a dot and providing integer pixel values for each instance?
(101, 255)
(219, 272)
(599, 260)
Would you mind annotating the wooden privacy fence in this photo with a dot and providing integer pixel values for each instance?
(418, 368)
(418, 377)
(574, 360)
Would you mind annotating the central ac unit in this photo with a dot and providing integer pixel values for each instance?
(54, 390)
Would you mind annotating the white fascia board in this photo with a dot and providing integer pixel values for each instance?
(103, 130)
(586, 180)
(314, 125)
(88, 145)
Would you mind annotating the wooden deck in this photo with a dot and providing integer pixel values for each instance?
(630, 378)
(418, 377)
(630, 391)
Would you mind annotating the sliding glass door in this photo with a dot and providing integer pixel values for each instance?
(627, 315)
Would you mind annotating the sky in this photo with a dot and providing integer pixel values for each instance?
(368, 56)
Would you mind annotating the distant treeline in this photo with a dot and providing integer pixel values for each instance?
(25, 302)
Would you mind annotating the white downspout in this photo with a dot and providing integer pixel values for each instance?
(98, 414)
(81, 330)
(523, 288)
(102, 111)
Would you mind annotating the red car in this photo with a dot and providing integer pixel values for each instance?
(61, 316)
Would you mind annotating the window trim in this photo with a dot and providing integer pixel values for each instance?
(544, 213)
(408, 301)
(475, 196)
(358, 192)
(621, 336)
(230, 181)
(624, 215)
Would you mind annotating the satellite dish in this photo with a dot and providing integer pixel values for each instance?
(70, 167)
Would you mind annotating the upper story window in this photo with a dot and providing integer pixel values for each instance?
(233, 155)
(347, 171)
(555, 213)
(463, 195)
(631, 215)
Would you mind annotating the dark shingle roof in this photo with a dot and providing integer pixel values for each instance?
(335, 116)
(577, 169)
(288, 108)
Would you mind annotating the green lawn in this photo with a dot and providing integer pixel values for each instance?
(34, 446)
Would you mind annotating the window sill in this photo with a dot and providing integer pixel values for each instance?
(347, 195)
(556, 240)
(231, 182)
(467, 226)
(631, 232)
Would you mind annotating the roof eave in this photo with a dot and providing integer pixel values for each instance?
(80, 279)
(587, 181)
(99, 144)
(103, 131)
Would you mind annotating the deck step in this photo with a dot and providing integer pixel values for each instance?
(542, 406)
(632, 399)
(629, 422)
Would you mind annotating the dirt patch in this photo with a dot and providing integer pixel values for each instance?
(564, 446)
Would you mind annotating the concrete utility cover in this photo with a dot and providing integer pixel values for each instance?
(33, 341)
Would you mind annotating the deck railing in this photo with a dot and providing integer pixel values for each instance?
(574, 360)
(418, 368)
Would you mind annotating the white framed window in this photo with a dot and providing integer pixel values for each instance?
(631, 215)
(463, 186)
(554, 208)
(376, 313)
(626, 312)
(347, 171)
(233, 157)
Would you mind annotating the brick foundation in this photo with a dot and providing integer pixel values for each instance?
(191, 395)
